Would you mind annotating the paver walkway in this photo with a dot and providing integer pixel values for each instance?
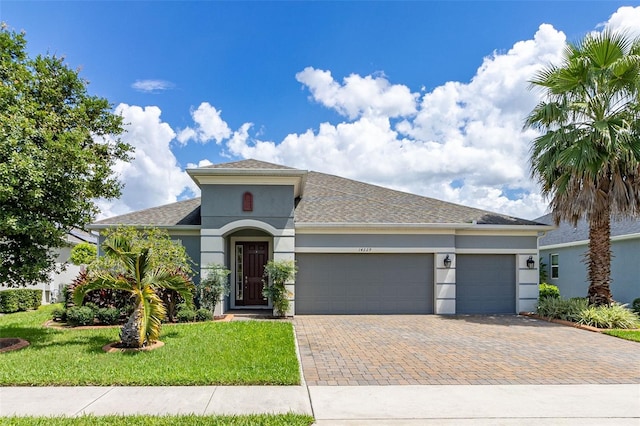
(462, 350)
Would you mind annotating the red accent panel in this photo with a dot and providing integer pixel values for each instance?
(247, 202)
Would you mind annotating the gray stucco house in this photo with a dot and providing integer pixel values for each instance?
(563, 250)
(359, 248)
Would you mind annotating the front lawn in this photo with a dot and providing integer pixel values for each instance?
(210, 353)
(633, 335)
(189, 420)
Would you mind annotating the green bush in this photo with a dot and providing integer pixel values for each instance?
(548, 290)
(276, 274)
(59, 314)
(564, 309)
(635, 305)
(22, 299)
(203, 314)
(80, 315)
(213, 286)
(614, 316)
(108, 316)
(83, 253)
(186, 315)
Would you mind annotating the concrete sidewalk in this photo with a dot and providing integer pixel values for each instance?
(347, 405)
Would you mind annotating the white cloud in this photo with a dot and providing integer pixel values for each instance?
(461, 142)
(627, 19)
(369, 95)
(153, 177)
(201, 163)
(209, 126)
(152, 86)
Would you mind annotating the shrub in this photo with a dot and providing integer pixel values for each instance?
(108, 316)
(276, 274)
(22, 299)
(203, 314)
(59, 314)
(614, 316)
(213, 286)
(80, 315)
(99, 298)
(564, 309)
(83, 253)
(548, 290)
(635, 306)
(186, 315)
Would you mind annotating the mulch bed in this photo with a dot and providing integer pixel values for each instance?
(12, 344)
(563, 322)
(116, 347)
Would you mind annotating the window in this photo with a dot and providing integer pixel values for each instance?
(553, 260)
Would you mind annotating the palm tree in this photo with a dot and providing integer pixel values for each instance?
(140, 279)
(587, 159)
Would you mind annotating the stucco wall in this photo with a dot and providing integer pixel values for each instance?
(222, 204)
(572, 273)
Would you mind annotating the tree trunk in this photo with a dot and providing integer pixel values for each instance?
(130, 333)
(599, 261)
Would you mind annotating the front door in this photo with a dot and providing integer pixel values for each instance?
(254, 256)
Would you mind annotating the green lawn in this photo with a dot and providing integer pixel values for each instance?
(190, 420)
(633, 335)
(211, 353)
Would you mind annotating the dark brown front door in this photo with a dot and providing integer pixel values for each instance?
(255, 256)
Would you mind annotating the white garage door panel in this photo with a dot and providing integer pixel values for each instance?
(364, 283)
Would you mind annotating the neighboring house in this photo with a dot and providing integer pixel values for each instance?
(359, 248)
(563, 251)
(66, 271)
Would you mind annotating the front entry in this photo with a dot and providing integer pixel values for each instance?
(250, 260)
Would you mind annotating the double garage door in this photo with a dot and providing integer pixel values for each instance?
(364, 283)
(401, 284)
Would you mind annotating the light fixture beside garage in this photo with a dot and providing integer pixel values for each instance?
(531, 263)
(447, 262)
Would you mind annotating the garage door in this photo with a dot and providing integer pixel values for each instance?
(485, 284)
(364, 284)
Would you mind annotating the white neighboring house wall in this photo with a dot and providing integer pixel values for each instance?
(65, 272)
(57, 280)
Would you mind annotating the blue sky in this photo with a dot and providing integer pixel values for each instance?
(426, 97)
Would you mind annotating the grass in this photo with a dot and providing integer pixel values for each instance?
(210, 353)
(633, 335)
(185, 420)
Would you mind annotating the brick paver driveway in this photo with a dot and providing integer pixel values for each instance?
(430, 349)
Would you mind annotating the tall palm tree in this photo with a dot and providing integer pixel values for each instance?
(140, 279)
(587, 159)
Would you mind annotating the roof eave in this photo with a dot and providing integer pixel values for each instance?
(456, 226)
(101, 226)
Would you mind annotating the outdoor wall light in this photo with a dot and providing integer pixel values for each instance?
(447, 262)
(531, 263)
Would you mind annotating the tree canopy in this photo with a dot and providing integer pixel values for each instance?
(587, 158)
(58, 146)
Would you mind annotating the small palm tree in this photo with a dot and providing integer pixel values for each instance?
(138, 277)
(588, 156)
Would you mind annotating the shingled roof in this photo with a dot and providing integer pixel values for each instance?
(567, 233)
(181, 213)
(333, 199)
(329, 199)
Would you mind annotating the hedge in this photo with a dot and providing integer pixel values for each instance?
(19, 300)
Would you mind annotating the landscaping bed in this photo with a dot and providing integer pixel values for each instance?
(207, 353)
